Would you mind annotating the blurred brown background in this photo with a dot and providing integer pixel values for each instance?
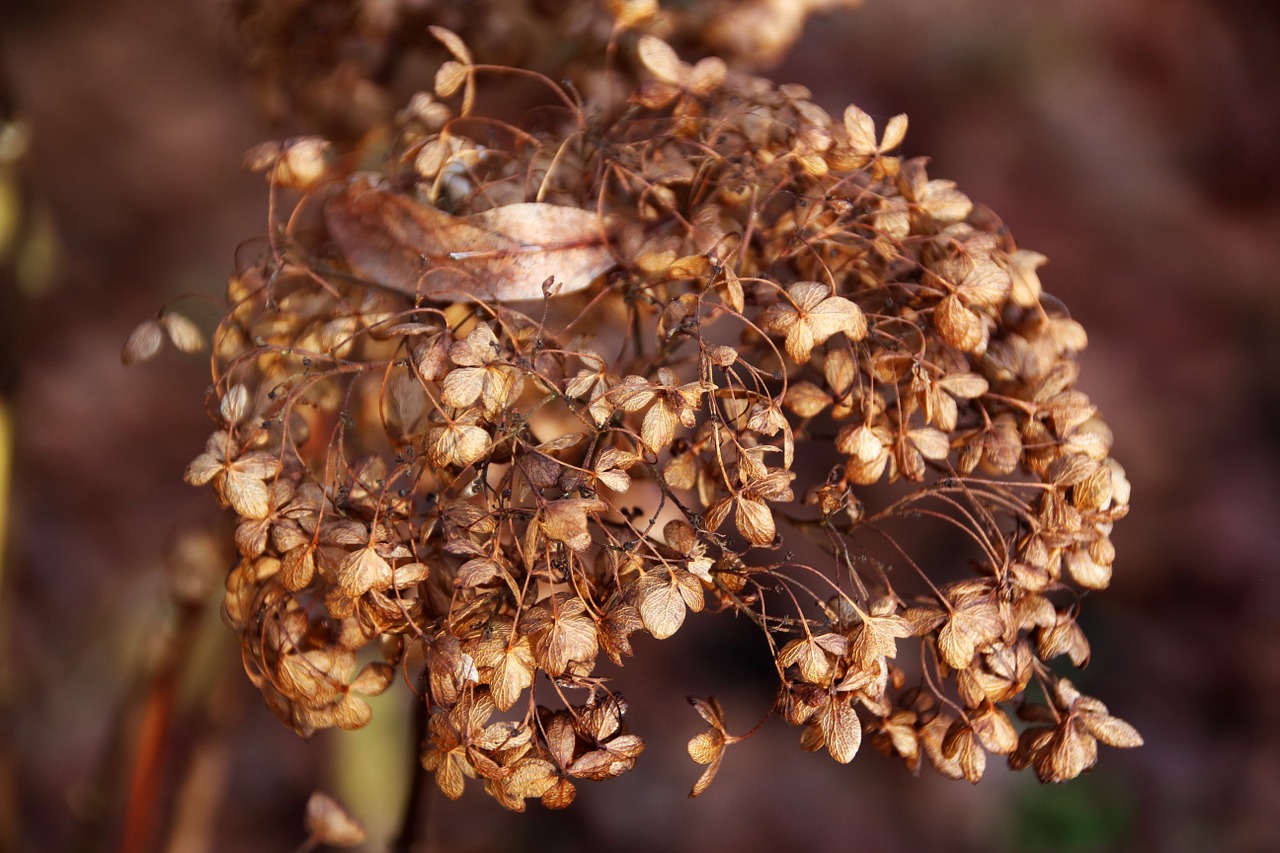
(1134, 143)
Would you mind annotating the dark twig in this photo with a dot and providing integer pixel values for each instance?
(413, 826)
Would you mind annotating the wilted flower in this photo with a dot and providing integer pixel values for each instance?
(493, 414)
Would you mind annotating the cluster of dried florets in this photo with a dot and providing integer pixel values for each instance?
(341, 67)
(523, 393)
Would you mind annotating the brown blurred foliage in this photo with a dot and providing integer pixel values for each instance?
(1131, 144)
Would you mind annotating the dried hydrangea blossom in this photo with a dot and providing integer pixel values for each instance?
(691, 345)
(342, 68)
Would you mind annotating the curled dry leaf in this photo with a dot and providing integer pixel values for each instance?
(450, 78)
(969, 627)
(457, 444)
(452, 43)
(755, 521)
(841, 729)
(143, 343)
(566, 521)
(631, 13)
(708, 746)
(663, 597)
(455, 74)
(662, 61)
(301, 164)
(810, 315)
(510, 253)
(184, 334)
(329, 822)
(235, 405)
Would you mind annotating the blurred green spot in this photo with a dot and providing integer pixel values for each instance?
(1079, 816)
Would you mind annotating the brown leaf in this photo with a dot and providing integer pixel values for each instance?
(861, 129)
(877, 636)
(1067, 752)
(374, 678)
(1092, 716)
(987, 284)
(1022, 265)
(661, 605)
(962, 746)
(942, 201)
(452, 43)
(707, 75)
(363, 570)
(456, 444)
(810, 315)
(597, 765)
(959, 326)
(299, 568)
(662, 61)
(463, 386)
(1085, 571)
(184, 334)
(504, 254)
(1063, 637)
(932, 443)
(659, 426)
(1112, 731)
(566, 520)
(706, 748)
(755, 520)
(615, 629)
(966, 386)
(560, 795)
(731, 290)
(560, 738)
(450, 77)
(329, 822)
(895, 130)
(561, 632)
(631, 13)
(600, 720)
(242, 486)
(450, 778)
(512, 673)
(531, 777)
(477, 571)
(969, 627)
(144, 342)
(234, 407)
(709, 709)
(931, 738)
(841, 730)
(611, 467)
(806, 399)
(994, 731)
(809, 657)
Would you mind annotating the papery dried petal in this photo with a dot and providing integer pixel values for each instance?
(329, 822)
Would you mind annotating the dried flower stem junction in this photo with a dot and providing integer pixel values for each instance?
(685, 342)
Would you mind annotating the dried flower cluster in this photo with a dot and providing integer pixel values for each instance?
(342, 68)
(687, 344)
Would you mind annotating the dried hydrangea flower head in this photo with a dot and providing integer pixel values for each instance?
(522, 392)
(343, 68)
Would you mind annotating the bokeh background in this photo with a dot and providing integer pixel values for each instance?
(1135, 143)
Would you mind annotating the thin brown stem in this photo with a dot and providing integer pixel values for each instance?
(151, 747)
(413, 825)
